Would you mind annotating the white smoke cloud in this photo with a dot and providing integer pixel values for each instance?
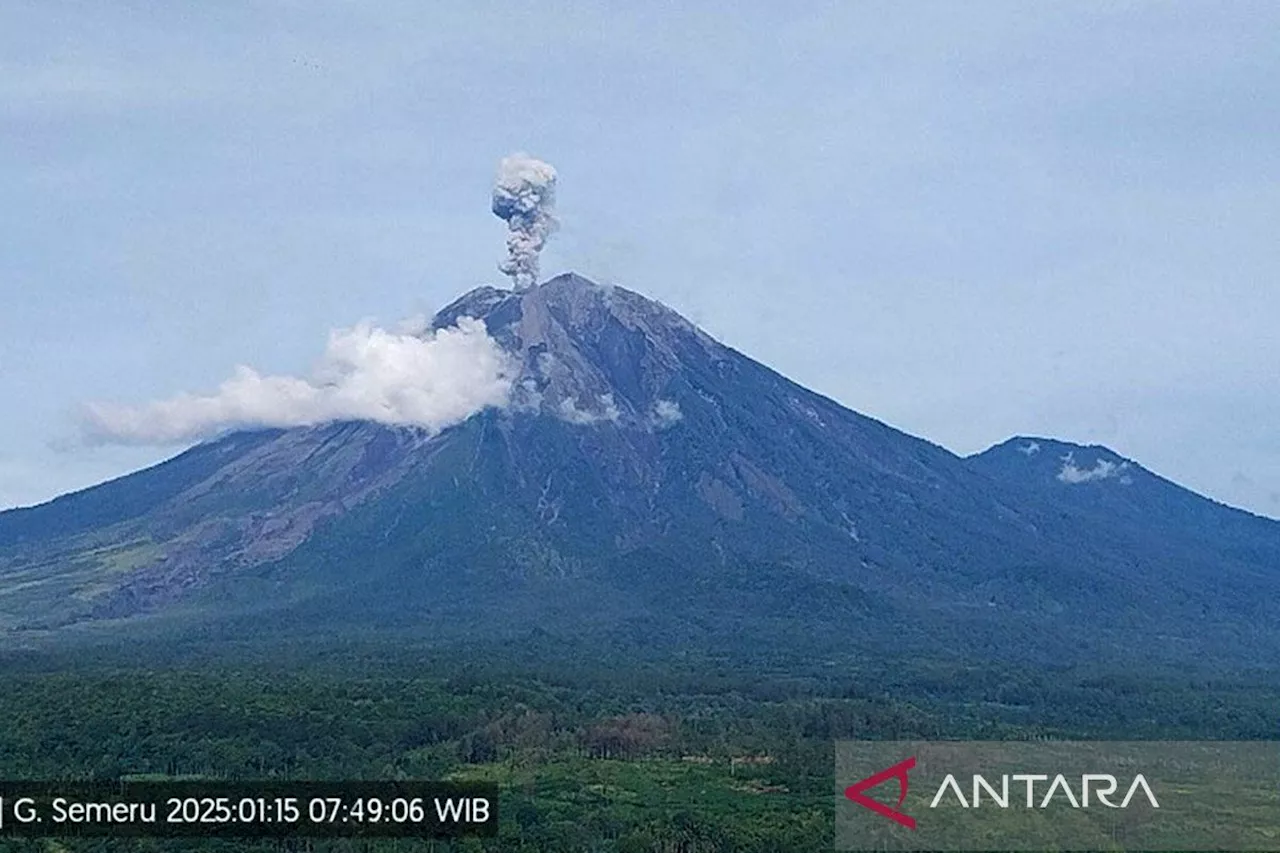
(524, 194)
(666, 413)
(430, 380)
(608, 411)
(1103, 469)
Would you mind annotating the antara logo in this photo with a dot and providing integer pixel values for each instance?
(898, 771)
(1101, 786)
(1104, 786)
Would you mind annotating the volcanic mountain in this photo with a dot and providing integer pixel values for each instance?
(649, 485)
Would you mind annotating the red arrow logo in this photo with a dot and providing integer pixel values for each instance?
(898, 771)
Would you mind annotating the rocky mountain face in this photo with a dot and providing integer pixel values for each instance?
(1107, 488)
(652, 486)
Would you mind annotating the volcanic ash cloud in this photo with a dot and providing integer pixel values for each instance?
(431, 380)
(524, 195)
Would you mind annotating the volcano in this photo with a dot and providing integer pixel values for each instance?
(652, 486)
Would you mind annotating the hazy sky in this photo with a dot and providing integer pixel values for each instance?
(967, 219)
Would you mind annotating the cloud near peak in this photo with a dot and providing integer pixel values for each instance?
(430, 380)
(1103, 469)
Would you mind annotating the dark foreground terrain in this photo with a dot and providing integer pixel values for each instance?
(592, 752)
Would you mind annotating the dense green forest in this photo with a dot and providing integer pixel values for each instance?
(591, 754)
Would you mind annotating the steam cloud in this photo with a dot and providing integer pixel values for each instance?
(524, 195)
(1103, 469)
(410, 377)
(575, 414)
(666, 413)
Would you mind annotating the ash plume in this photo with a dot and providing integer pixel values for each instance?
(524, 195)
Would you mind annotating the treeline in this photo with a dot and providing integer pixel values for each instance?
(239, 724)
(594, 759)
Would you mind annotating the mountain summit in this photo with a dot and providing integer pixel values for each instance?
(647, 485)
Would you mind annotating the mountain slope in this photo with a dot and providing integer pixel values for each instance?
(647, 485)
(1111, 490)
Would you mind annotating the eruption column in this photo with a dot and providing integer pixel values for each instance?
(524, 195)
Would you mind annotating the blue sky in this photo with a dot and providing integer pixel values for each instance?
(969, 220)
